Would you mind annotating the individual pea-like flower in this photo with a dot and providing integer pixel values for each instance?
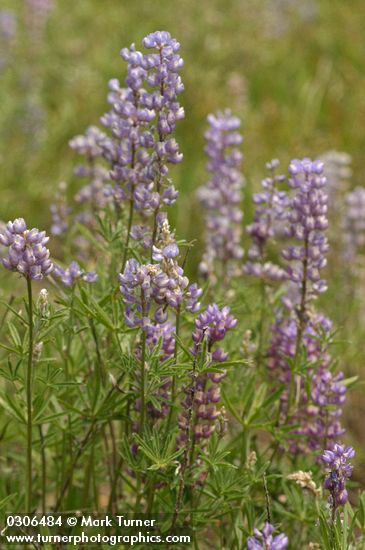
(338, 468)
(27, 254)
(307, 224)
(74, 273)
(271, 212)
(265, 540)
(221, 197)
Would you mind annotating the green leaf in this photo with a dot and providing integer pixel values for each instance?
(14, 335)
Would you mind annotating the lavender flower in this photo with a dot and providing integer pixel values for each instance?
(96, 193)
(129, 152)
(221, 196)
(37, 14)
(143, 119)
(319, 407)
(163, 334)
(73, 273)
(27, 252)
(307, 222)
(339, 469)
(354, 227)
(7, 24)
(163, 68)
(7, 35)
(211, 326)
(166, 252)
(269, 216)
(162, 284)
(338, 173)
(264, 540)
(60, 211)
(138, 285)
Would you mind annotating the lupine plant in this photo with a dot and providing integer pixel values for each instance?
(127, 387)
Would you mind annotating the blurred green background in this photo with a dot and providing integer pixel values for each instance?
(293, 70)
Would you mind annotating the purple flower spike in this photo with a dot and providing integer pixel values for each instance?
(60, 211)
(264, 540)
(307, 223)
(221, 196)
(91, 146)
(271, 212)
(339, 469)
(319, 410)
(8, 27)
(354, 228)
(212, 325)
(27, 252)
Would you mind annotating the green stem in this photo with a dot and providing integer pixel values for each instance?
(262, 324)
(189, 448)
(90, 432)
(143, 383)
(28, 502)
(173, 379)
(130, 221)
(44, 468)
(114, 489)
(131, 209)
(294, 389)
(143, 369)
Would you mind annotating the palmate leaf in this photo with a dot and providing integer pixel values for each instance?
(153, 447)
(228, 483)
(94, 311)
(216, 460)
